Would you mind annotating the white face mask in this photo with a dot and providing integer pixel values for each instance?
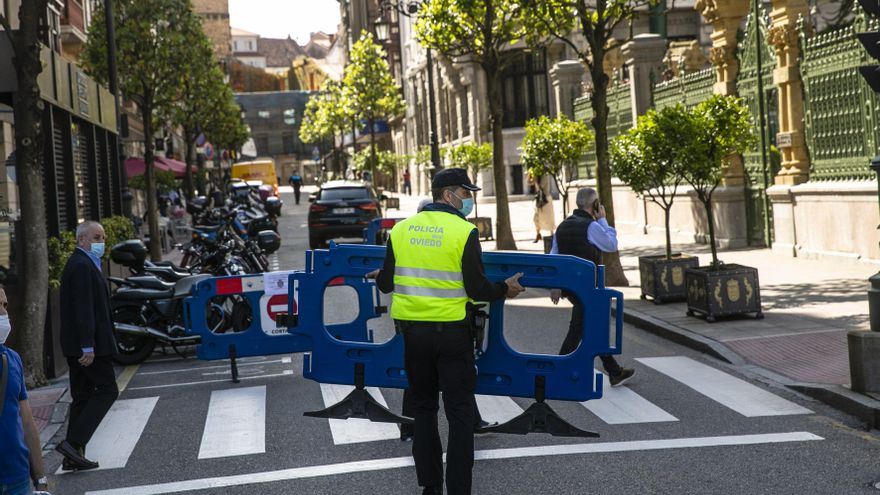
(5, 328)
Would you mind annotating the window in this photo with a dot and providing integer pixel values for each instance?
(289, 116)
(263, 114)
(289, 143)
(524, 88)
(262, 143)
(250, 46)
(465, 114)
(341, 193)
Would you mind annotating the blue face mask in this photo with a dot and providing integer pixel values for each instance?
(467, 205)
(97, 249)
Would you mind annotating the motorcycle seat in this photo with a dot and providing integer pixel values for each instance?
(169, 264)
(167, 272)
(149, 282)
(184, 286)
(142, 294)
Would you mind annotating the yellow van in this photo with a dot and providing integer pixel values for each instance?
(262, 169)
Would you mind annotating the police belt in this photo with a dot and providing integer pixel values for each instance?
(436, 326)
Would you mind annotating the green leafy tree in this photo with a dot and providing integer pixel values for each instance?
(28, 110)
(573, 22)
(369, 90)
(327, 117)
(383, 160)
(481, 31)
(153, 40)
(554, 147)
(724, 128)
(472, 157)
(653, 157)
(223, 127)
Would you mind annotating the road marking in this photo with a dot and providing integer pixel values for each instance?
(497, 408)
(727, 390)
(286, 360)
(169, 385)
(236, 423)
(620, 406)
(119, 432)
(346, 431)
(125, 377)
(200, 368)
(480, 455)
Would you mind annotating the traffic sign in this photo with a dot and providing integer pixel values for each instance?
(270, 308)
(209, 151)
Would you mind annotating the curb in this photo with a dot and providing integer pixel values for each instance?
(861, 406)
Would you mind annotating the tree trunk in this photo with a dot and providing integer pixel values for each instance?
(666, 213)
(190, 158)
(711, 222)
(503, 233)
(614, 275)
(33, 280)
(152, 202)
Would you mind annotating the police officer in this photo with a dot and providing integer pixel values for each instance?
(433, 264)
(586, 234)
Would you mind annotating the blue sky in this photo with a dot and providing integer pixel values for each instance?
(278, 18)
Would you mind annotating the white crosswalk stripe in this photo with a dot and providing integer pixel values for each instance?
(623, 406)
(346, 431)
(729, 391)
(235, 424)
(119, 432)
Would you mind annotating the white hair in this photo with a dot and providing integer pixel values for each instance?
(585, 197)
(84, 228)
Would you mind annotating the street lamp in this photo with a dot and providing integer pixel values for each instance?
(383, 34)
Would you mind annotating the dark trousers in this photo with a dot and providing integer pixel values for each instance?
(575, 330)
(93, 390)
(408, 410)
(442, 360)
(296, 193)
(407, 188)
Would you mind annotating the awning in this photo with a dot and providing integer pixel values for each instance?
(136, 166)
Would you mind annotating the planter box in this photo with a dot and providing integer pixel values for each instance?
(730, 290)
(664, 280)
(484, 227)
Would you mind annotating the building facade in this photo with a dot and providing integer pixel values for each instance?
(215, 22)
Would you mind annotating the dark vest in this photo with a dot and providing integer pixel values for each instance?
(571, 237)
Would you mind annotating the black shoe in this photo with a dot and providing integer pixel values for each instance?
(622, 377)
(74, 458)
(433, 490)
(478, 428)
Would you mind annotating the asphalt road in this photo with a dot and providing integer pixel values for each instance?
(686, 423)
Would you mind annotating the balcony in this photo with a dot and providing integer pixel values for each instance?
(73, 28)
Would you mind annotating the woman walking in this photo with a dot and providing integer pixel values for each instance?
(544, 217)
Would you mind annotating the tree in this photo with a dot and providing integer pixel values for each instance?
(369, 89)
(201, 84)
(723, 128)
(653, 157)
(247, 79)
(472, 157)
(327, 117)
(554, 146)
(481, 31)
(224, 126)
(573, 22)
(152, 39)
(28, 110)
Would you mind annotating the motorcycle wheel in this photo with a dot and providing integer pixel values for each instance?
(131, 349)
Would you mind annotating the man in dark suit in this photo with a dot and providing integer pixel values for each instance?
(88, 343)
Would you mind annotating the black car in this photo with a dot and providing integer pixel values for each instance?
(341, 209)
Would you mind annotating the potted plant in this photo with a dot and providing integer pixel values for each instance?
(474, 158)
(724, 128)
(652, 158)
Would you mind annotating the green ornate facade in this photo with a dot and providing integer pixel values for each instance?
(690, 89)
(620, 119)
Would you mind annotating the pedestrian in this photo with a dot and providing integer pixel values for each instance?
(88, 343)
(544, 217)
(296, 181)
(407, 183)
(586, 234)
(22, 460)
(433, 265)
(406, 430)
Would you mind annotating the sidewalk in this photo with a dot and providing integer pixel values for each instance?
(809, 306)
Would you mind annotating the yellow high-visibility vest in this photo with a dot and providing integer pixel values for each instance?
(428, 283)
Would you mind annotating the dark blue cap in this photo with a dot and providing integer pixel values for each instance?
(453, 177)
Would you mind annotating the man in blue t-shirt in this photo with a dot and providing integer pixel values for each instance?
(22, 459)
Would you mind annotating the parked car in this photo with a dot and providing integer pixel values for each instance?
(340, 209)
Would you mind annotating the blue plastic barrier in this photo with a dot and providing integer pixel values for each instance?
(377, 225)
(267, 335)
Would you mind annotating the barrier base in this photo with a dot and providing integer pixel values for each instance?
(360, 404)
